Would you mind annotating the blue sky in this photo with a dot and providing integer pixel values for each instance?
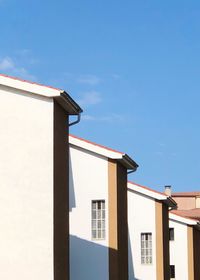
(132, 65)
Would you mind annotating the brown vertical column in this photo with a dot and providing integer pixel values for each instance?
(122, 221)
(196, 254)
(112, 209)
(118, 225)
(162, 241)
(61, 194)
(159, 241)
(166, 256)
(190, 253)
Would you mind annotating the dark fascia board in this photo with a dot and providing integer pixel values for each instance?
(68, 104)
(171, 203)
(197, 226)
(129, 163)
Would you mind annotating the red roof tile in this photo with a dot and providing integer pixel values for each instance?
(192, 213)
(189, 194)
(29, 82)
(95, 144)
(147, 188)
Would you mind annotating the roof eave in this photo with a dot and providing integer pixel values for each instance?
(68, 103)
(197, 226)
(182, 219)
(129, 163)
(63, 98)
(171, 203)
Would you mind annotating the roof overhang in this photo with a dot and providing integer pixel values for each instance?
(59, 95)
(152, 194)
(128, 162)
(171, 202)
(181, 219)
(68, 103)
(124, 159)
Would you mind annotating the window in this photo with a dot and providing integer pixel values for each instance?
(172, 271)
(171, 234)
(98, 219)
(146, 248)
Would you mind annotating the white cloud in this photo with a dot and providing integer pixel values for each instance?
(159, 153)
(26, 56)
(109, 118)
(161, 144)
(8, 66)
(88, 118)
(89, 80)
(23, 73)
(90, 98)
(115, 76)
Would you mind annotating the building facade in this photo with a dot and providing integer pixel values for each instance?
(98, 211)
(34, 180)
(187, 200)
(148, 233)
(184, 247)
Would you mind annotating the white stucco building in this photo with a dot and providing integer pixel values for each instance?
(148, 233)
(98, 211)
(184, 247)
(34, 180)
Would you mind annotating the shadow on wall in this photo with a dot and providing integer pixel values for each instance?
(88, 260)
(131, 273)
(72, 200)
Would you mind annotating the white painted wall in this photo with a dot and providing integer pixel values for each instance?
(141, 219)
(26, 188)
(179, 250)
(88, 181)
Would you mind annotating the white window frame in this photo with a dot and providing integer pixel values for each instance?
(146, 248)
(98, 219)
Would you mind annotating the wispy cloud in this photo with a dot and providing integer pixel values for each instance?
(91, 80)
(6, 64)
(159, 153)
(89, 98)
(161, 144)
(26, 55)
(108, 118)
(9, 66)
(115, 76)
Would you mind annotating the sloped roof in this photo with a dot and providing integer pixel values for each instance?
(151, 193)
(42, 90)
(128, 162)
(191, 213)
(186, 194)
(180, 217)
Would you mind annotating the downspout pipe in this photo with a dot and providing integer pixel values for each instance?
(131, 171)
(77, 121)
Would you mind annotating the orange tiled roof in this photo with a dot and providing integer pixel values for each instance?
(189, 194)
(95, 144)
(192, 213)
(147, 188)
(28, 82)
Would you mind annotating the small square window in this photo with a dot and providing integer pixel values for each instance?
(172, 271)
(171, 234)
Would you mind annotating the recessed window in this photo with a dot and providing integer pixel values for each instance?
(172, 271)
(171, 234)
(98, 219)
(146, 248)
